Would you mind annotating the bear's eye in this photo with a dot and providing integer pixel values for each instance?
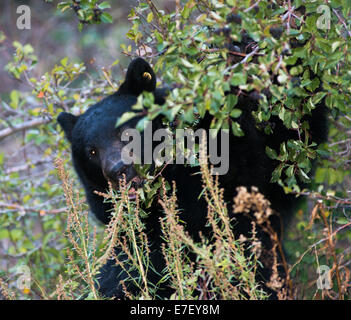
(92, 152)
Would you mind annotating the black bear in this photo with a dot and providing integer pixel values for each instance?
(96, 153)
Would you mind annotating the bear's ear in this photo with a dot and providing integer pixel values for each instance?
(140, 77)
(67, 122)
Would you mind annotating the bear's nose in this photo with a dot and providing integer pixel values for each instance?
(115, 171)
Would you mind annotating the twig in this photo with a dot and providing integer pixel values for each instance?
(26, 209)
(108, 79)
(318, 243)
(340, 142)
(253, 52)
(332, 249)
(342, 21)
(234, 53)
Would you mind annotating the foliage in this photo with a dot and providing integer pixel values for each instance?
(194, 51)
(301, 63)
(88, 11)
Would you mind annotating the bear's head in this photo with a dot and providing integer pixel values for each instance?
(96, 140)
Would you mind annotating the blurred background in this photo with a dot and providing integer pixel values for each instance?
(54, 35)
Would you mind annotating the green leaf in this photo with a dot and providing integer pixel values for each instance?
(238, 79)
(235, 113)
(318, 97)
(106, 18)
(149, 17)
(125, 117)
(237, 131)
(271, 153)
(186, 63)
(104, 5)
(64, 61)
(63, 5)
(320, 175)
(4, 234)
(232, 100)
(14, 96)
(290, 171)
(277, 173)
(16, 234)
(342, 220)
(304, 176)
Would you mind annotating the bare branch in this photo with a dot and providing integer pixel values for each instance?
(24, 126)
(26, 166)
(14, 206)
(342, 21)
(253, 52)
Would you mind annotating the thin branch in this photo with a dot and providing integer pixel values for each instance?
(108, 78)
(318, 243)
(24, 126)
(13, 206)
(342, 21)
(253, 6)
(26, 166)
(253, 52)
